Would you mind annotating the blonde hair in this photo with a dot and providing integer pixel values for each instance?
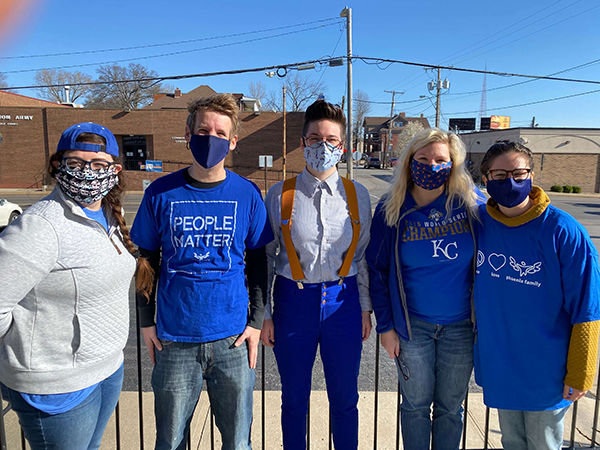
(220, 103)
(459, 186)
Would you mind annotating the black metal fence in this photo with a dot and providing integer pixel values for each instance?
(588, 435)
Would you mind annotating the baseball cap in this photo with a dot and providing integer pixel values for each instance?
(69, 136)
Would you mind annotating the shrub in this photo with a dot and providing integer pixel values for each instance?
(567, 189)
(576, 190)
(556, 188)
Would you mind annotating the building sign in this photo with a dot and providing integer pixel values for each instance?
(153, 166)
(499, 122)
(4, 117)
(179, 139)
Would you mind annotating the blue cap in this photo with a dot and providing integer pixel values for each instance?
(69, 136)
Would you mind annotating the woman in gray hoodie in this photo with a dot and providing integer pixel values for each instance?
(67, 264)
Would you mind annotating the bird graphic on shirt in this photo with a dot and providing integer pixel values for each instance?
(202, 257)
(523, 268)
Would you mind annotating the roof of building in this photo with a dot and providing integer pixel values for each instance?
(178, 100)
(13, 99)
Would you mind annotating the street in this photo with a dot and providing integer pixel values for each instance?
(586, 209)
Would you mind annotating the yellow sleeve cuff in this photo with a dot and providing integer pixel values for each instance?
(581, 360)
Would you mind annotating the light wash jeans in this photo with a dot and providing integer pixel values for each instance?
(532, 430)
(177, 383)
(440, 361)
(80, 428)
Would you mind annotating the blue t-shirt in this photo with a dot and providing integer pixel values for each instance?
(99, 216)
(203, 234)
(532, 283)
(436, 252)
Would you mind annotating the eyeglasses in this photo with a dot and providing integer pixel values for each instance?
(516, 174)
(74, 163)
(402, 365)
(312, 140)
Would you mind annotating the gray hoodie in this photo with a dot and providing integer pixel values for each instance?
(64, 299)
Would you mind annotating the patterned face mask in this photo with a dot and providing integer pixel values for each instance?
(429, 176)
(87, 185)
(322, 156)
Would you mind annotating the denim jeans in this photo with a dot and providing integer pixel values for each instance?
(79, 428)
(532, 430)
(328, 316)
(440, 361)
(177, 383)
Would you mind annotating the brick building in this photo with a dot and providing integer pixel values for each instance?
(377, 129)
(561, 155)
(29, 135)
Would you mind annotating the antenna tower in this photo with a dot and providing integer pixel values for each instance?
(483, 105)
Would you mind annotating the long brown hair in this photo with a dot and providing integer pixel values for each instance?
(112, 202)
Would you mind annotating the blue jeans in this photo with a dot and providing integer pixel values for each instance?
(77, 429)
(532, 430)
(177, 383)
(325, 315)
(440, 361)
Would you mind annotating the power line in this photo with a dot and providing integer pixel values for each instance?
(479, 42)
(530, 34)
(460, 69)
(173, 53)
(189, 41)
(282, 70)
(532, 103)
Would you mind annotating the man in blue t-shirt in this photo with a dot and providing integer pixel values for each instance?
(203, 229)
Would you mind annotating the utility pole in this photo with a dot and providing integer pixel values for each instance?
(347, 13)
(389, 139)
(284, 133)
(439, 94)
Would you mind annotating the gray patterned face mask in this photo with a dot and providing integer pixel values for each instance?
(87, 185)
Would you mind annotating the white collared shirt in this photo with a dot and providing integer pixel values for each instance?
(321, 233)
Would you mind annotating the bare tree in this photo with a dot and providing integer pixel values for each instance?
(408, 132)
(118, 93)
(57, 94)
(258, 90)
(300, 90)
(362, 107)
(3, 80)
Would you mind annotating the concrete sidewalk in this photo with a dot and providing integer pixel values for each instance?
(319, 425)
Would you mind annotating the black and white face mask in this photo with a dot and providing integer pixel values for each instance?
(86, 185)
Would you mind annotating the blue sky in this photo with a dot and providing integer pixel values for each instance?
(529, 37)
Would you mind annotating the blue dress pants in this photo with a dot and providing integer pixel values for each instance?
(327, 315)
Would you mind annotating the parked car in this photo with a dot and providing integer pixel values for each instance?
(392, 161)
(372, 161)
(8, 212)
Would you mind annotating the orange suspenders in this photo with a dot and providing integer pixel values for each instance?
(287, 206)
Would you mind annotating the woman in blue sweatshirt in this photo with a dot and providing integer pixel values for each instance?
(537, 299)
(420, 264)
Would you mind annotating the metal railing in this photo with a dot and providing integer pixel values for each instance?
(574, 428)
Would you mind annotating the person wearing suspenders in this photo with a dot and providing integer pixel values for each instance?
(320, 294)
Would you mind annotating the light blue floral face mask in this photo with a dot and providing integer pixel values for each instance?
(322, 156)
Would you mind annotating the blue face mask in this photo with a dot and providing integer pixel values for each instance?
(429, 176)
(509, 193)
(208, 150)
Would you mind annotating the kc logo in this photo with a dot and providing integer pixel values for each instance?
(437, 245)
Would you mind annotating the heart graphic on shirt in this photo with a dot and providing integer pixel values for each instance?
(496, 261)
